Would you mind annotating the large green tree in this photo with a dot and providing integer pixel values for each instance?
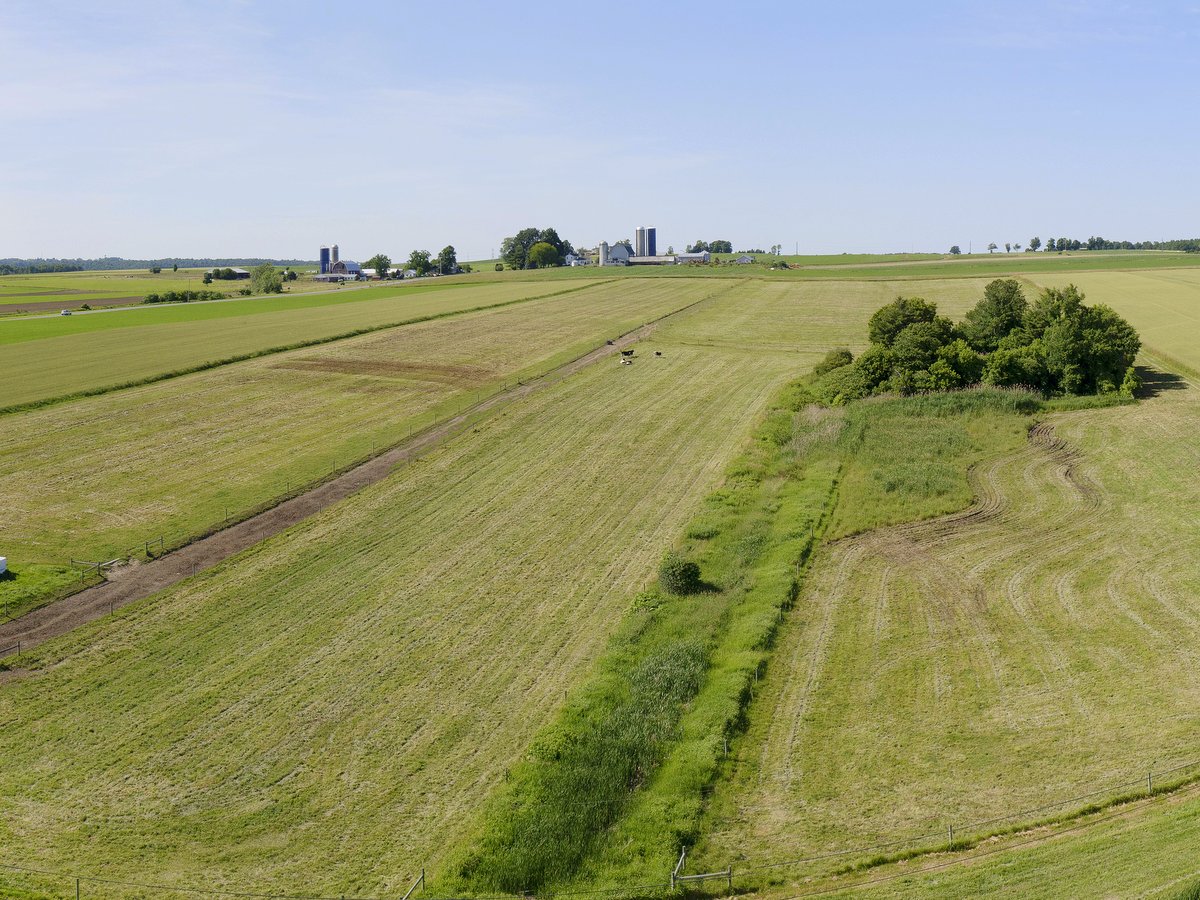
(447, 261)
(890, 320)
(542, 255)
(381, 263)
(265, 279)
(419, 262)
(1001, 310)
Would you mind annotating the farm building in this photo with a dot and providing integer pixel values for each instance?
(237, 273)
(704, 257)
(652, 260)
(346, 267)
(619, 255)
(742, 260)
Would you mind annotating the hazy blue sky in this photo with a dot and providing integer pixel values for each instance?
(149, 129)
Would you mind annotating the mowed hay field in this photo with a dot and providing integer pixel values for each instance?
(1141, 850)
(811, 318)
(92, 477)
(1037, 647)
(126, 346)
(327, 712)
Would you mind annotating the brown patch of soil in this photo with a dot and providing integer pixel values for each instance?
(381, 368)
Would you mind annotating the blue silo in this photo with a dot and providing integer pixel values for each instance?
(652, 242)
(324, 260)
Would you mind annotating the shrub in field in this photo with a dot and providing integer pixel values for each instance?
(834, 359)
(678, 575)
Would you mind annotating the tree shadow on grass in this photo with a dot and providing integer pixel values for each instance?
(1156, 381)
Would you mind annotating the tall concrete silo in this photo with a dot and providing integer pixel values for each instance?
(639, 241)
(652, 242)
(604, 253)
(333, 253)
(324, 260)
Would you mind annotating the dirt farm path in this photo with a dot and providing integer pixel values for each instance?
(132, 583)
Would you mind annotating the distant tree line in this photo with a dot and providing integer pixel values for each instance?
(535, 248)
(1057, 345)
(18, 266)
(1062, 244)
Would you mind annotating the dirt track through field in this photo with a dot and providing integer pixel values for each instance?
(138, 581)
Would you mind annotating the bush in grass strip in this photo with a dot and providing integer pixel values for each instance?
(678, 575)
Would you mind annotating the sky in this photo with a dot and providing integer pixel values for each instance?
(245, 129)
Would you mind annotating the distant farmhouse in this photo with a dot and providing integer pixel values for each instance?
(238, 274)
(743, 260)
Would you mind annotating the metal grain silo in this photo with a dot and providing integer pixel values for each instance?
(652, 242)
(604, 253)
(324, 260)
(639, 241)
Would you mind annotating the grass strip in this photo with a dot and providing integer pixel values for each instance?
(632, 747)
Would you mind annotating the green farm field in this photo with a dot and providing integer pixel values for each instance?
(52, 358)
(365, 679)
(174, 457)
(120, 287)
(1142, 850)
(999, 616)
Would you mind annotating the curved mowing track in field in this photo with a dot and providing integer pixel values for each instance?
(979, 663)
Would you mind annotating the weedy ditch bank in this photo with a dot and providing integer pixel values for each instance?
(611, 789)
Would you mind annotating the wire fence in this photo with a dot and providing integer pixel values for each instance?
(743, 875)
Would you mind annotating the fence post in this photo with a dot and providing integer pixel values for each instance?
(76, 889)
(729, 878)
(950, 830)
(1149, 782)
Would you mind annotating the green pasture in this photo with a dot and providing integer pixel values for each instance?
(121, 348)
(72, 289)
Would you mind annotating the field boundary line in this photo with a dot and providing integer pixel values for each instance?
(201, 552)
(282, 348)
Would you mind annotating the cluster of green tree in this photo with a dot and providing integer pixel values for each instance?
(1056, 345)
(533, 248)
(711, 247)
(423, 262)
(225, 274)
(183, 296)
(17, 266)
